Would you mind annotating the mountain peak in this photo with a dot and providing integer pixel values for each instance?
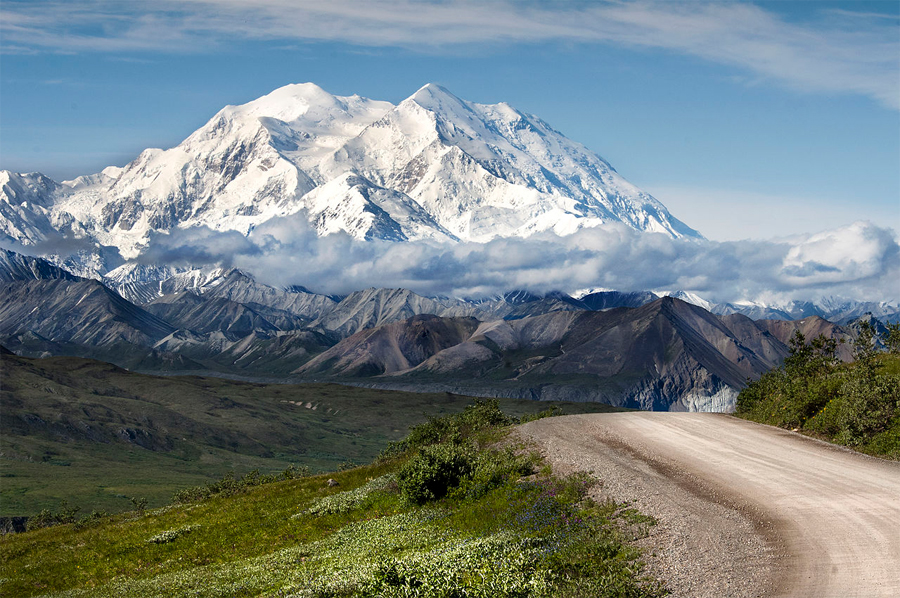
(432, 89)
(288, 103)
(437, 98)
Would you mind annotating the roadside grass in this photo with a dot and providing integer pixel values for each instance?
(497, 523)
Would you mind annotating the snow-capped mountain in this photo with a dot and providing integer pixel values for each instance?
(834, 309)
(432, 167)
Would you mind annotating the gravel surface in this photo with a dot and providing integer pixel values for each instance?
(743, 509)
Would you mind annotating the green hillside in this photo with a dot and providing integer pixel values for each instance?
(97, 436)
(455, 510)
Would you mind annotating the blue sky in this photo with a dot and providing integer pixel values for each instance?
(748, 120)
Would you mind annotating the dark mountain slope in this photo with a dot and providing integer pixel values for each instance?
(241, 288)
(15, 266)
(208, 314)
(610, 299)
(667, 354)
(393, 347)
(811, 327)
(81, 311)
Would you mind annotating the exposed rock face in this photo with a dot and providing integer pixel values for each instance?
(15, 266)
(393, 347)
(83, 312)
(203, 315)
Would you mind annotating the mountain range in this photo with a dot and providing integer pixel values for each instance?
(625, 349)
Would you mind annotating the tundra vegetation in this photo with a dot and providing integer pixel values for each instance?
(855, 404)
(454, 509)
(101, 437)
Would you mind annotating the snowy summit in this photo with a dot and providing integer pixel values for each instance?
(432, 167)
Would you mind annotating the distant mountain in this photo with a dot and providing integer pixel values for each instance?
(627, 349)
(665, 355)
(15, 266)
(839, 311)
(609, 299)
(82, 311)
(834, 309)
(432, 167)
(208, 314)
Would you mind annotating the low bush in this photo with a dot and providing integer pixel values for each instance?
(434, 471)
(483, 414)
(855, 404)
(47, 518)
(551, 411)
(229, 485)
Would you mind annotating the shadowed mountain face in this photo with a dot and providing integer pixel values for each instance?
(610, 299)
(15, 266)
(393, 347)
(208, 314)
(810, 327)
(82, 311)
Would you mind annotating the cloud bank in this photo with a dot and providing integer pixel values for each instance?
(859, 261)
(836, 51)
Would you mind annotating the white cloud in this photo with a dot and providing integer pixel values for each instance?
(855, 252)
(834, 53)
(860, 261)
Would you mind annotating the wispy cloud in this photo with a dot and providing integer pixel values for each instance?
(854, 52)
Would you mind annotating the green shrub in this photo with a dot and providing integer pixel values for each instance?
(228, 485)
(482, 414)
(867, 407)
(434, 471)
(47, 518)
(551, 411)
(854, 404)
(493, 468)
(90, 520)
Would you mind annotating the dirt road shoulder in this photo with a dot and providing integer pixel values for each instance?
(743, 509)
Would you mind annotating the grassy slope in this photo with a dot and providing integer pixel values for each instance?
(96, 435)
(515, 537)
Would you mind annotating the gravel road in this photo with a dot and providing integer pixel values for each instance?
(743, 509)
